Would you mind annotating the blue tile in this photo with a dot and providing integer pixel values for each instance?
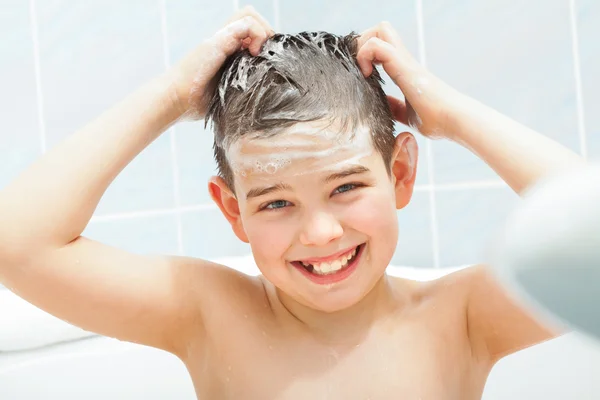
(208, 235)
(144, 235)
(195, 162)
(588, 12)
(343, 16)
(414, 246)
(513, 56)
(20, 140)
(265, 8)
(92, 54)
(189, 22)
(468, 220)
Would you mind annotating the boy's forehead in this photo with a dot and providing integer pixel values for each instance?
(301, 149)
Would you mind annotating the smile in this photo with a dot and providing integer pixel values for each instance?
(330, 269)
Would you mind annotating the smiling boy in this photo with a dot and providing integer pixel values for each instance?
(311, 175)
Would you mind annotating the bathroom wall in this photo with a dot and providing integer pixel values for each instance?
(64, 62)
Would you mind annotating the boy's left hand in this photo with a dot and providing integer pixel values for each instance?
(428, 100)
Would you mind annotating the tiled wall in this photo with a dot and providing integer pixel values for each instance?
(63, 62)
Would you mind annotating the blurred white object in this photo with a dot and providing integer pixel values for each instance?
(549, 250)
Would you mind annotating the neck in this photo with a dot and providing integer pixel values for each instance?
(347, 326)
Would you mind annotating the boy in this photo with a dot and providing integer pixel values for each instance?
(312, 181)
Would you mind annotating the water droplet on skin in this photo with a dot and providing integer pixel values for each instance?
(229, 368)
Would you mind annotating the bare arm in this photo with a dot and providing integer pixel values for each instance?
(519, 155)
(43, 256)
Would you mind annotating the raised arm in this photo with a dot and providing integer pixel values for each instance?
(44, 258)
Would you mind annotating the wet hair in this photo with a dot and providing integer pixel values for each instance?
(311, 76)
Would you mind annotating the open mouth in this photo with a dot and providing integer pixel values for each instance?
(333, 270)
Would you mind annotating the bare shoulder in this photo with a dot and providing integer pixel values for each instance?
(499, 324)
(206, 281)
(223, 300)
(455, 285)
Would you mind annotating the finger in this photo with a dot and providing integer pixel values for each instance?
(230, 38)
(384, 31)
(398, 109)
(262, 21)
(376, 50)
(250, 11)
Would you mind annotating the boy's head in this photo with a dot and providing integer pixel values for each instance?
(309, 166)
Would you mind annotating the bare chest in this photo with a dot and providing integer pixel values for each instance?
(414, 362)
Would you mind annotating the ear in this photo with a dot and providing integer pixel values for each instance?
(228, 203)
(404, 167)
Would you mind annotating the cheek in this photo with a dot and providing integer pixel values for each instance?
(269, 239)
(374, 214)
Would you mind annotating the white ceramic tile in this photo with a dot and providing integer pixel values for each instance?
(513, 56)
(414, 246)
(468, 221)
(146, 235)
(92, 54)
(20, 141)
(208, 235)
(195, 161)
(189, 22)
(343, 16)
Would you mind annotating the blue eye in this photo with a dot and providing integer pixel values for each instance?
(345, 188)
(276, 205)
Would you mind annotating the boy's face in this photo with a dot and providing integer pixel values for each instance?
(318, 209)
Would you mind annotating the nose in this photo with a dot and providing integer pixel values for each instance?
(319, 229)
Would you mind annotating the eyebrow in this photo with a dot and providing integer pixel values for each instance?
(357, 169)
(261, 191)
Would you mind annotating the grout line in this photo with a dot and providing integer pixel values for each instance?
(429, 148)
(38, 75)
(448, 187)
(578, 85)
(421, 33)
(152, 213)
(174, 163)
(276, 16)
(198, 207)
(491, 184)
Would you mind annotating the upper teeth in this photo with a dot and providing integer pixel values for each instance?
(332, 266)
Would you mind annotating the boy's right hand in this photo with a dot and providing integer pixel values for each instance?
(194, 76)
